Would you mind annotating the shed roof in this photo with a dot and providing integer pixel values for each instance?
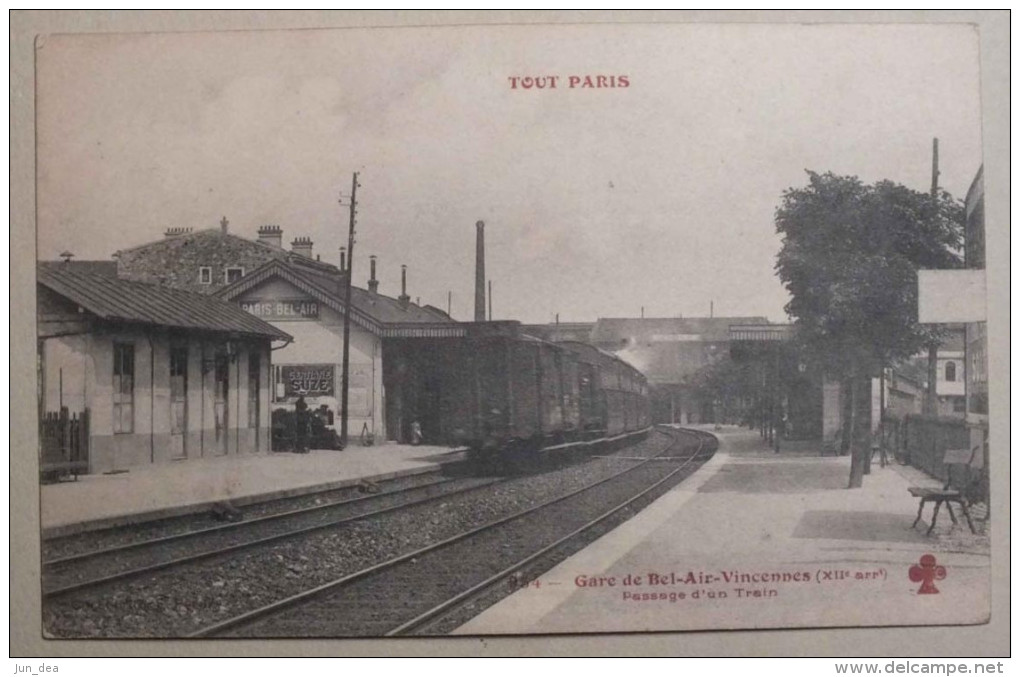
(112, 298)
(107, 267)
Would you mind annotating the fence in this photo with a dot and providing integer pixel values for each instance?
(64, 444)
(922, 442)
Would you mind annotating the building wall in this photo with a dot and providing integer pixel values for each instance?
(78, 370)
(319, 341)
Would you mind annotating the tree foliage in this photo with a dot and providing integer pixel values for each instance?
(849, 259)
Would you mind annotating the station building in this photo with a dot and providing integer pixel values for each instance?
(309, 304)
(303, 296)
(132, 374)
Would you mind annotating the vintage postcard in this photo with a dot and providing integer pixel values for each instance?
(512, 330)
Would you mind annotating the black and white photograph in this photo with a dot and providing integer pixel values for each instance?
(511, 329)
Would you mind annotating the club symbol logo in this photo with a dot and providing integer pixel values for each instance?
(926, 572)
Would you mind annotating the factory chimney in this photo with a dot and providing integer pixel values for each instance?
(480, 272)
(403, 298)
(373, 284)
(343, 259)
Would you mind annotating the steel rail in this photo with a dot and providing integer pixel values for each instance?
(461, 598)
(306, 595)
(237, 547)
(134, 545)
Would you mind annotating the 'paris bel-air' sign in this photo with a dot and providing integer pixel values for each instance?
(282, 309)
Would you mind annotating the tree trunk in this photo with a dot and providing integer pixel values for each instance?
(845, 401)
(857, 452)
(867, 385)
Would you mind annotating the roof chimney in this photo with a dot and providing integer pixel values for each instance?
(480, 272)
(176, 232)
(403, 298)
(271, 235)
(223, 224)
(302, 246)
(373, 284)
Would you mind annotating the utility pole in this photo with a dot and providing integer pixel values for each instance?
(490, 300)
(931, 394)
(347, 315)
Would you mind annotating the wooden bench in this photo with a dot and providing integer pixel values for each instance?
(958, 464)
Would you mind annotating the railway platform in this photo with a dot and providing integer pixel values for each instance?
(153, 492)
(756, 539)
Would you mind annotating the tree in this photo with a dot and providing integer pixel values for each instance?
(726, 384)
(849, 259)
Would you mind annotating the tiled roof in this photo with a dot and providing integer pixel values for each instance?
(112, 298)
(371, 309)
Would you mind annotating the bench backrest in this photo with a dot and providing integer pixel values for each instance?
(959, 464)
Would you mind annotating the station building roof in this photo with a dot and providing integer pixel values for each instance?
(372, 310)
(115, 299)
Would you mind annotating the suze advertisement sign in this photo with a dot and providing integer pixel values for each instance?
(310, 380)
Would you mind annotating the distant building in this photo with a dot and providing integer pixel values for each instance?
(976, 333)
(976, 341)
(670, 352)
(150, 374)
(206, 261)
(560, 331)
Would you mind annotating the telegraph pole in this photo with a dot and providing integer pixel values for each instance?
(347, 315)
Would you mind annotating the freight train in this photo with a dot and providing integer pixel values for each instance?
(503, 393)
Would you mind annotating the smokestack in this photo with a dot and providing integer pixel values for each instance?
(373, 284)
(480, 272)
(343, 259)
(271, 235)
(403, 298)
(302, 246)
(223, 225)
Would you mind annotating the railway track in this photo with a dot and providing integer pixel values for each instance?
(89, 569)
(416, 592)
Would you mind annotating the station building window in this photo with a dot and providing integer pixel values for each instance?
(950, 371)
(233, 275)
(205, 275)
(123, 388)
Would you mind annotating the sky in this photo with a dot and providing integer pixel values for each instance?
(598, 202)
